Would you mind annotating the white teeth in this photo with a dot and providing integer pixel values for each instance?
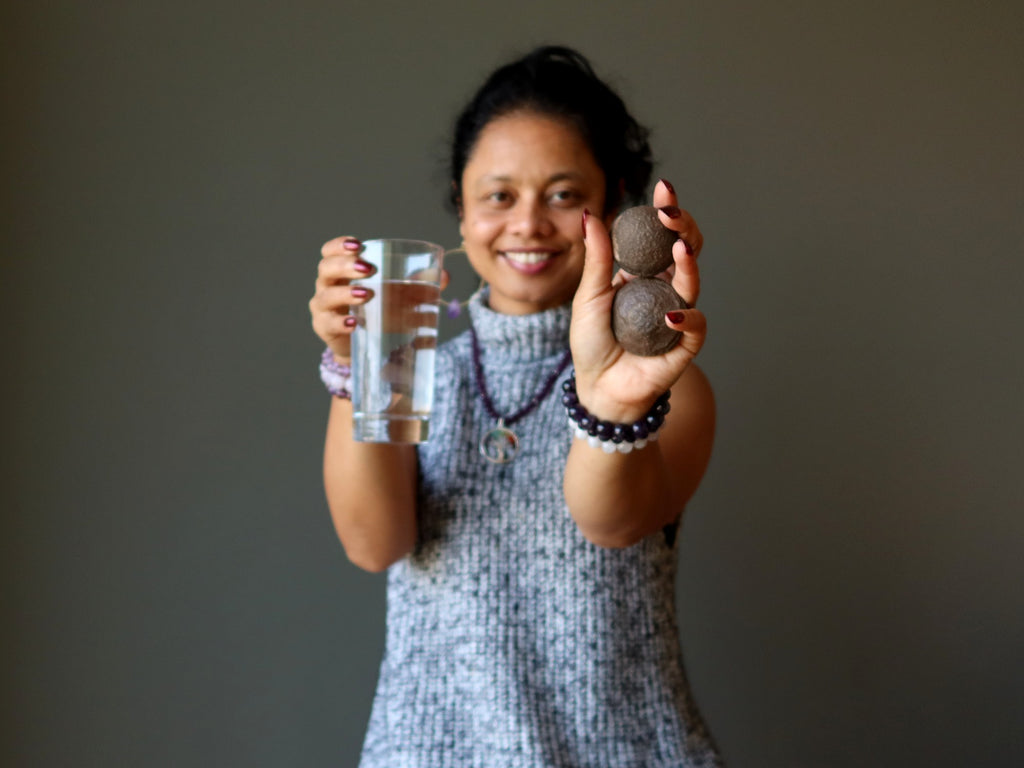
(532, 257)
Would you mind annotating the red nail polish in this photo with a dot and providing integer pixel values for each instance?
(351, 244)
(671, 211)
(359, 292)
(689, 250)
(351, 322)
(362, 266)
(676, 316)
(668, 185)
(586, 212)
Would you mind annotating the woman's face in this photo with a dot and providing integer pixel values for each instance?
(524, 189)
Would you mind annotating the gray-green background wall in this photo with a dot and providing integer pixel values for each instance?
(851, 569)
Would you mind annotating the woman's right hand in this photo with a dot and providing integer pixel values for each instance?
(371, 488)
(334, 297)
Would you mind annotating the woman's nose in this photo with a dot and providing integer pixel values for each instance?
(530, 219)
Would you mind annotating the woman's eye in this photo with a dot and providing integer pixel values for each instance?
(499, 197)
(565, 196)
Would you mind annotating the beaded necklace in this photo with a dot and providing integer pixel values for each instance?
(500, 445)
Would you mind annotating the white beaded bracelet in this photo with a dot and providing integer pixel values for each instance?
(608, 446)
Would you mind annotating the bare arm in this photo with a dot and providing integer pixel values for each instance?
(617, 499)
(371, 488)
(371, 492)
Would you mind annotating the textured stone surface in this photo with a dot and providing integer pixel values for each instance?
(641, 243)
(638, 316)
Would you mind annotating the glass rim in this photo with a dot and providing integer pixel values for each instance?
(423, 245)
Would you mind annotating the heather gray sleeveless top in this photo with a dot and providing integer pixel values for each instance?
(512, 642)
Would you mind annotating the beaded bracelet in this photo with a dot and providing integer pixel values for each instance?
(606, 435)
(335, 376)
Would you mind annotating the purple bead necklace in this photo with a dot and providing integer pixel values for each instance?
(500, 445)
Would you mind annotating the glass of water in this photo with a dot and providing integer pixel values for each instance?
(395, 341)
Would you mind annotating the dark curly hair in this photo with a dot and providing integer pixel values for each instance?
(559, 82)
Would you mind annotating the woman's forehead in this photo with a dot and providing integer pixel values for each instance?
(518, 144)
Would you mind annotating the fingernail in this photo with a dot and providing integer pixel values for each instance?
(586, 212)
(689, 250)
(351, 322)
(351, 244)
(668, 185)
(359, 293)
(676, 316)
(671, 211)
(362, 266)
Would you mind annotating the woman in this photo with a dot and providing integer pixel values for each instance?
(531, 617)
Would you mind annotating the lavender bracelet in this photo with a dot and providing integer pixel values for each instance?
(608, 436)
(335, 376)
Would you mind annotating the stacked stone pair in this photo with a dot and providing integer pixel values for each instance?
(642, 246)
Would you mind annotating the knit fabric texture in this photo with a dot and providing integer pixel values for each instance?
(513, 642)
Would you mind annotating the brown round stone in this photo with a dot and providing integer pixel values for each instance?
(641, 243)
(638, 316)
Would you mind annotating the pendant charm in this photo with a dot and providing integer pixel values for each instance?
(500, 445)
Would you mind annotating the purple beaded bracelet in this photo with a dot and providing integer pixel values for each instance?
(335, 376)
(609, 436)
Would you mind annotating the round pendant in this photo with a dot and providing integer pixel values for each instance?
(500, 445)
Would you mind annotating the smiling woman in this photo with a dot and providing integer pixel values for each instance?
(525, 188)
(531, 605)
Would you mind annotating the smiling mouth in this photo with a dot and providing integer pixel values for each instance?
(527, 257)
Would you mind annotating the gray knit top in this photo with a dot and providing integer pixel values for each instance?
(513, 642)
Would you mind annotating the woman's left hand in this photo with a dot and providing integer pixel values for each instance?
(612, 383)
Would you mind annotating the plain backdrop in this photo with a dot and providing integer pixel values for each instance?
(850, 570)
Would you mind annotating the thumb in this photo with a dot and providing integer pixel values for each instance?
(598, 263)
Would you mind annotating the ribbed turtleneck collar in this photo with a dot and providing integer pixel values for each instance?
(522, 337)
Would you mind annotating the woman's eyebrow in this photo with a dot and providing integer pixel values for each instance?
(561, 176)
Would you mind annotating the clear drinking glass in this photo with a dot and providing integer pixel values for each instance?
(395, 341)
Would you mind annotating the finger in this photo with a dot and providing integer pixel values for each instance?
(666, 199)
(682, 223)
(664, 194)
(692, 324)
(341, 267)
(445, 279)
(686, 280)
(334, 329)
(338, 298)
(341, 245)
(340, 261)
(338, 325)
(598, 263)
